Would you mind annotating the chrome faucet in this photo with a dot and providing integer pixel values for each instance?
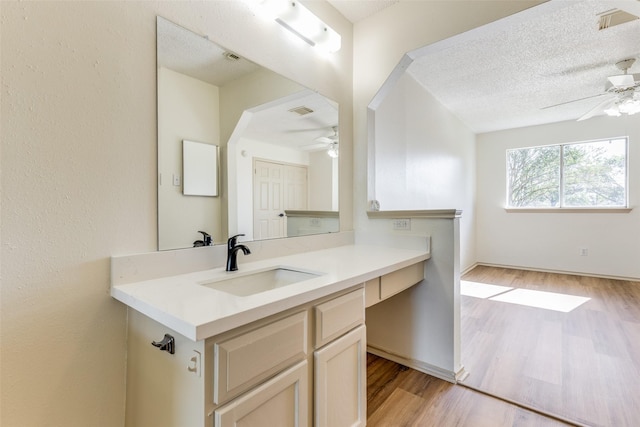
(232, 252)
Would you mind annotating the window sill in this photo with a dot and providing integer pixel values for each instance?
(568, 210)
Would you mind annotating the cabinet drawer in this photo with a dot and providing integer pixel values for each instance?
(371, 292)
(397, 281)
(245, 360)
(338, 316)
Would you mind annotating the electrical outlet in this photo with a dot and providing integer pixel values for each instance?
(584, 252)
(195, 363)
(402, 224)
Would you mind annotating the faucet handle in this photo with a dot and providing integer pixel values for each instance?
(206, 238)
(232, 240)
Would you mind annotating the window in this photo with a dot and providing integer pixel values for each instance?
(578, 175)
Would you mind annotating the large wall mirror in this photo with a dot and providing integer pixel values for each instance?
(277, 141)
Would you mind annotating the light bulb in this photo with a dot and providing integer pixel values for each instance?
(333, 150)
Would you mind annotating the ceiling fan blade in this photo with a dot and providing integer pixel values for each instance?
(574, 100)
(622, 80)
(327, 139)
(324, 139)
(599, 108)
(302, 130)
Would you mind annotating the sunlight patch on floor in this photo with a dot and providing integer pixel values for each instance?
(540, 299)
(481, 290)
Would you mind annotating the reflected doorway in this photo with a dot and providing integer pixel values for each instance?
(277, 187)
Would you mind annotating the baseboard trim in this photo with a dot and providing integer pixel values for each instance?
(461, 375)
(426, 368)
(468, 269)
(546, 270)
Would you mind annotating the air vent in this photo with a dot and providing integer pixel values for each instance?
(614, 17)
(231, 56)
(302, 110)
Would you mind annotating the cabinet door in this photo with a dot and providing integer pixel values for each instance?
(282, 401)
(340, 387)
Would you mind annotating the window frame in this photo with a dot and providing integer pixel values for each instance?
(561, 205)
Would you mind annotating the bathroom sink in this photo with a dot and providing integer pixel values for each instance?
(252, 283)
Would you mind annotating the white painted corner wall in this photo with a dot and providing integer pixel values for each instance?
(424, 158)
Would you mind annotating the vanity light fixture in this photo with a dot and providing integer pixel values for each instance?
(302, 22)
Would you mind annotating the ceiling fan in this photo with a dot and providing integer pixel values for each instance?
(331, 139)
(330, 142)
(622, 91)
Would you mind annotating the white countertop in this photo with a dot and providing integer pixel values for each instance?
(181, 303)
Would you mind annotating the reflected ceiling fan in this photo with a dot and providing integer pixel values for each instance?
(329, 142)
(622, 92)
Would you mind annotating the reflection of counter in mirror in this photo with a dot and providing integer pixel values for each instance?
(256, 117)
(302, 223)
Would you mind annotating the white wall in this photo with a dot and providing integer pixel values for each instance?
(550, 241)
(78, 176)
(323, 184)
(425, 158)
(187, 109)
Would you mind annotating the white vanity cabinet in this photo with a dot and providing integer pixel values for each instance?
(301, 367)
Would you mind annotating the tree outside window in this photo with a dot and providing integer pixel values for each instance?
(585, 174)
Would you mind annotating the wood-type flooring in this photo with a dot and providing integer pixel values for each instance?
(582, 366)
(401, 397)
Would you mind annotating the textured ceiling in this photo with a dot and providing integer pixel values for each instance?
(503, 76)
(194, 55)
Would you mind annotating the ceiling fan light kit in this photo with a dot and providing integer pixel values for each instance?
(627, 106)
(624, 91)
(625, 86)
(332, 141)
(333, 150)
